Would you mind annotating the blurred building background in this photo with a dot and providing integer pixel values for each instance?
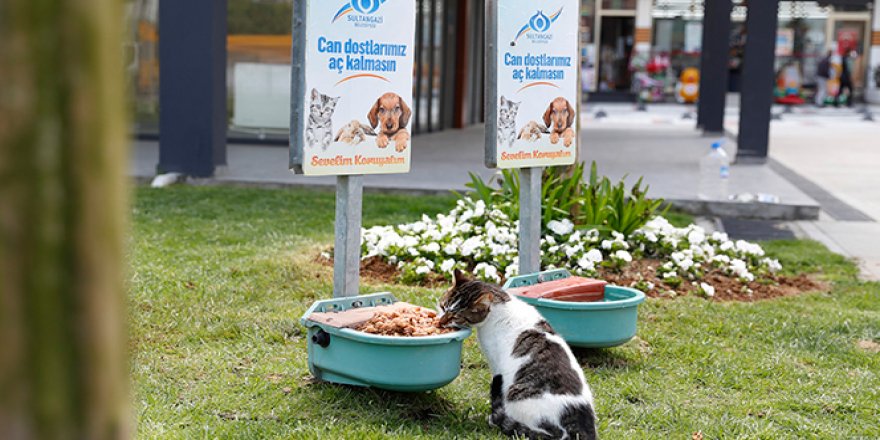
(619, 37)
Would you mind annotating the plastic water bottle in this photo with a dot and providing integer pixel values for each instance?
(714, 173)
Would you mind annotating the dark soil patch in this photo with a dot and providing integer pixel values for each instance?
(726, 288)
(377, 270)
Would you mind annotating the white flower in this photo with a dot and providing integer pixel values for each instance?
(749, 248)
(571, 251)
(720, 237)
(607, 244)
(432, 247)
(623, 255)
(707, 289)
(772, 264)
(697, 235)
(726, 246)
(563, 227)
(479, 208)
(471, 245)
(550, 240)
(511, 270)
(595, 255)
(447, 265)
(586, 263)
(487, 272)
(422, 270)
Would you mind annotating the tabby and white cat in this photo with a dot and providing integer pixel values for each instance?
(319, 129)
(538, 389)
(507, 121)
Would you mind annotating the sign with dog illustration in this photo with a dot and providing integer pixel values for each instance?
(532, 118)
(352, 84)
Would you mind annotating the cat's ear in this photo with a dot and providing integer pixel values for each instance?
(503, 101)
(315, 94)
(460, 277)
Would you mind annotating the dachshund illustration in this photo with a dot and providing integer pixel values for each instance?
(390, 115)
(559, 117)
(532, 131)
(354, 133)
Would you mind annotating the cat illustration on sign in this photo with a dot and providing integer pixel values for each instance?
(319, 129)
(507, 111)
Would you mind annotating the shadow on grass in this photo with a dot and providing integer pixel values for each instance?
(428, 412)
(603, 358)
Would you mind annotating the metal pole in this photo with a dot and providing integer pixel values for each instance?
(347, 253)
(530, 220)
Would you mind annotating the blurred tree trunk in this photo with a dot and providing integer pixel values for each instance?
(63, 369)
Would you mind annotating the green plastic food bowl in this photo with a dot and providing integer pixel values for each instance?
(607, 323)
(396, 363)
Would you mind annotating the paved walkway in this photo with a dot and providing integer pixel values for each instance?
(666, 155)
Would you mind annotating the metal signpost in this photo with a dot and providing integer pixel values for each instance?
(351, 87)
(532, 100)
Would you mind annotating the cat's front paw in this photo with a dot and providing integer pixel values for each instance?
(554, 138)
(382, 141)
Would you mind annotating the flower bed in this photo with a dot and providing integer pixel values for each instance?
(668, 260)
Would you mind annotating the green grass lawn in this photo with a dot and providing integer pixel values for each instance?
(220, 277)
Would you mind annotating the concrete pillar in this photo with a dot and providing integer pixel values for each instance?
(759, 76)
(643, 27)
(192, 86)
(713, 65)
(873, 88)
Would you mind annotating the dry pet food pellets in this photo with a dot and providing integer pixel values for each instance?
(411, 321)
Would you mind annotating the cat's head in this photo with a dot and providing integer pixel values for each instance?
(322, 106)
(468, 302)
(508, 109)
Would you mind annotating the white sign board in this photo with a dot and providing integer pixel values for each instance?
(351, 93)
(533, 109)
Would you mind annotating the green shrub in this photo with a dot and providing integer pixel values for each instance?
(593, 203)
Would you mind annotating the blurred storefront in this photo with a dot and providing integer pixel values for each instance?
(670, 32)
(619, 38)
(448, 89)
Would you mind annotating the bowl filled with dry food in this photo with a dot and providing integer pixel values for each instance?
(585, 312)
(377, 341)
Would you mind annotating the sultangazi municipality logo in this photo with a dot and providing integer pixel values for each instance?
(537, 27)
(360, 12)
